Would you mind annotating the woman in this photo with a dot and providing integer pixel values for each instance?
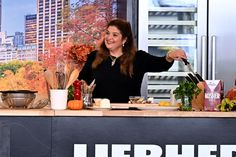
(118, 67)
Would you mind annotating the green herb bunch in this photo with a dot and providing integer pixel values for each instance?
(186, 89)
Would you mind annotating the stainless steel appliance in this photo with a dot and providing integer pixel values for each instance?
(203, 28)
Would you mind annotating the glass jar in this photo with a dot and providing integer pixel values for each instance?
(186, 104)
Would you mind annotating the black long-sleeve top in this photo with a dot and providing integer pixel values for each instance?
(112, 84)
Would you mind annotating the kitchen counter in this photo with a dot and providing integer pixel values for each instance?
(115, 113)
(54, 133)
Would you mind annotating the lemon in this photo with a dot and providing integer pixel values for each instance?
(164, 103)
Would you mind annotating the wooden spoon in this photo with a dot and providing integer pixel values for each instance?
(68, 69)
(49, 78)
(61, 80)
(74, 75)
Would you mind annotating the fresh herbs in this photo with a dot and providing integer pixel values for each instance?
(186, 90)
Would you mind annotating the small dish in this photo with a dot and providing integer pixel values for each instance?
(97, 108)
(137, 100)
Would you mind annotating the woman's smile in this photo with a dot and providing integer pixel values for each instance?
(113, 39)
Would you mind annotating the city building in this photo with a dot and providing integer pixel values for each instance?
(13, 48)
(7, 50)
(18, 39)
(6, 40)
(30, 29)
(27, 52)
(7, 53)
(49, 22)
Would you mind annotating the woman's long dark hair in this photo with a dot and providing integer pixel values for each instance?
(129, 50)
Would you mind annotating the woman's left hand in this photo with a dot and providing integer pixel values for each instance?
(176, 54)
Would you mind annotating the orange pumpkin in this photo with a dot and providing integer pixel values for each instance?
(75, 104)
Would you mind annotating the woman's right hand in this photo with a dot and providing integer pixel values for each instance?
(175, 54)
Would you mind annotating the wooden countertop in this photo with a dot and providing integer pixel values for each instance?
(144, 113)
(27, 112)
(149, 111)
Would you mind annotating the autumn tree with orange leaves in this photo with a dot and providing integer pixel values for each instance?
(88, 19)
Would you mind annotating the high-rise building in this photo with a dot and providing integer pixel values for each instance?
(18, 39)
(30, 29)
(50, 15)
